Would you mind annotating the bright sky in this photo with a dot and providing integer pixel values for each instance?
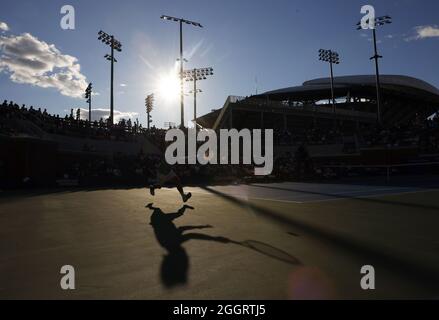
(252, 45)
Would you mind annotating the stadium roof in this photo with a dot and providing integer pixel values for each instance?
(396, 84)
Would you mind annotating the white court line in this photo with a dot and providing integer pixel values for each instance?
(367, 190)
(317, 201)
(341, 198)
(276, 200)
(374, 196)
(342, 192)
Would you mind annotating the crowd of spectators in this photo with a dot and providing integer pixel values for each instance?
(70, 125)
(296, 166)
(421, 134)
(123, 168)
(311, 136)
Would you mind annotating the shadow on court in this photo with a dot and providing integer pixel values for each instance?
(175, 265)
(352, 197)
(426, 275)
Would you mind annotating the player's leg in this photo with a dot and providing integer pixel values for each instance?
(184, 196)
(170, 178)
(163, 175)
(156, 184)
(152, 190)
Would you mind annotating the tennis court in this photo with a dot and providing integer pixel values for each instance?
(254, 241)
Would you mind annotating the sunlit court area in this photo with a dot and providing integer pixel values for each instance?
(219, 158)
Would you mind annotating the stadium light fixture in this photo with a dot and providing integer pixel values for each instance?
(181, 21)
(88, 94)
(380, 21)
(196, 75)
(114, 45)
(149, 104)
(169, 125)
(333, 58)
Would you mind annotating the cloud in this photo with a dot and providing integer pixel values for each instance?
(427, 32)
(123, 85)
(97, 114)
(3, 26)
(29, 60)
(424, 32)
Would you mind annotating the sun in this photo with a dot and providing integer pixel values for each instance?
(169, 86)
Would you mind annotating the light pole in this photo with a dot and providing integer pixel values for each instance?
(88, 93)
(181, 21)
(333, 58)
(196, 75)
(149, 104)
(380, 21)
(114, 45)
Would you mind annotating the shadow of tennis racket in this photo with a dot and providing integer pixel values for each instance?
(269, 251)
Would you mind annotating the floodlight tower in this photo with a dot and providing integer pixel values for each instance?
(181, 21)
(114, 45)
(380, 21)
(196, 75)
(88, 93)
(333, 58)
(149, 104)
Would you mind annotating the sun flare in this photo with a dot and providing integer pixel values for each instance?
(169, 86)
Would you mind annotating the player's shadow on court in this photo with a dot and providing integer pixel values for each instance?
(175, 264)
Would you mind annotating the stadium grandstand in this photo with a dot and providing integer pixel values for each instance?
(349, 134)
(40, 149)
(313, 140)
(405, 99)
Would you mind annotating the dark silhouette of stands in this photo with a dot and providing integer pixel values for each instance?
(98, 153)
